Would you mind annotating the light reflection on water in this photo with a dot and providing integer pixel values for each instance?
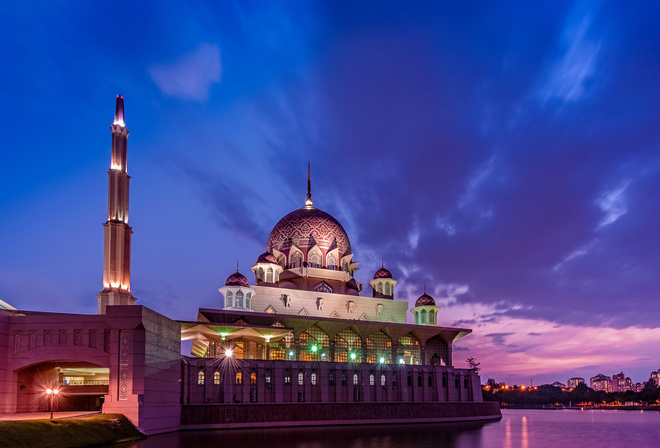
(517, 429)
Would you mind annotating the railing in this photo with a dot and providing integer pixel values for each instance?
(87, 383)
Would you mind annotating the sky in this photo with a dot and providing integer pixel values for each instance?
(506, 155)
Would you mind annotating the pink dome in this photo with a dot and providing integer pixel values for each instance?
(297, 227)
(425, 299)
(382, 273)
(237, 279)
(267, 257)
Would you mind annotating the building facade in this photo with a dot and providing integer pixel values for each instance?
(300, 339)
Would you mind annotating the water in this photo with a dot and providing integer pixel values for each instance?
(517, 429)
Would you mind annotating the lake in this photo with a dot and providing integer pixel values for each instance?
(518, 428)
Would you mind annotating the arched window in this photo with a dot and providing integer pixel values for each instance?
(253, 378)
(239, 378)
(409, 349)
(331, 262)
(269, 275)
(416, 318)
(216, 378)
(260, 275)
(371, 380)
(380, 288)
(355, 379)
(382, 380)
(248, 299)
(230, 300)
(430, 381)
(281, 261)
(315, 260)
(419, 381)
(200, 378)
(313, 379)
(379, 346)
(301, 379)
(431, 317)
(296, 260)
(388, 292)
(239, 299)
(422, 316)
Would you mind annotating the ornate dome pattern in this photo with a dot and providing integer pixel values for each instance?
(297, 227)
(425, 299)
(237, 279)
(382, 273)
(267, 257)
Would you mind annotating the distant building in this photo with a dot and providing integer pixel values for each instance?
(621, 383)
(637, 387)
(601, 382)
(654, 377)
(558, 384)
(573, 382)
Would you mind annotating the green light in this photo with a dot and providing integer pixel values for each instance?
(353, 356)
(290, 353)
(314, 348)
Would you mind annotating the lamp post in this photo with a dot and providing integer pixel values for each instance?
(51, 393)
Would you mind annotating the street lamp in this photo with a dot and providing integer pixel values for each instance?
(51, 393)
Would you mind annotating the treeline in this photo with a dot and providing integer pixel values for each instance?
(547, 395)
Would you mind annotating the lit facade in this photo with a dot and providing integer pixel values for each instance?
(301, 339)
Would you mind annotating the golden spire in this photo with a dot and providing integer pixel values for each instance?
(308, 202)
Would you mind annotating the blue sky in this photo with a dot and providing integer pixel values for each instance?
(504, 154)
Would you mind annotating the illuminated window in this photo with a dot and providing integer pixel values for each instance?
(382, 380)
(296, 260)
(343, 379)
(200, 378)
(239, 299)
(379, 346)
(287, 379)
(331, 379)
(268, 380)
(315, 260)
(314, 379)
(355, 379)
(216, 378)
(331, 262)
(230, 301)
(253, 378)
(371, 380)
(409, 350)
(239, 378)
(314, 343)
(301, 379)
(394, 380)
(269, 275)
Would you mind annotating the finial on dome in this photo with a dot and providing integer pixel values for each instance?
(382, 263)
(424, 288)
(308, 202)
(236, 265)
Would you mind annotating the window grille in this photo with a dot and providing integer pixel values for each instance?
(200, 378)
(409, 349)
(379, 345)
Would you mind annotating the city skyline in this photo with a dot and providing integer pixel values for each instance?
(505, 156)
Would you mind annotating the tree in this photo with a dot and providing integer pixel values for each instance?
(474, 365)
(650, 393)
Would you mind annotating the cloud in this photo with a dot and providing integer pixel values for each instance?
(192, 75)
(569, 76)
(613, 204)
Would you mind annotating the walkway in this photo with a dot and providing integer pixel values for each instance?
(46, 415)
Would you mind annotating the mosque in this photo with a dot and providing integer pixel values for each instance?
(295, 344)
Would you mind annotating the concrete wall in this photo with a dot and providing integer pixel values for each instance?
(307, 414)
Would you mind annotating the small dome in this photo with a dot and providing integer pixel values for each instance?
(382, 273)
(425, 299)
(267, 257)
(237, 279)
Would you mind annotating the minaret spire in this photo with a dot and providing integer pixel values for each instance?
(308, 201)
(117, 233)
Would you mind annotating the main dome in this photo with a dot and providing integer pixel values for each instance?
(298, 226)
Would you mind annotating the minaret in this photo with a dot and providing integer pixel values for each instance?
(117, 233)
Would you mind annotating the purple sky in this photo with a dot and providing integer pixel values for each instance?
(507, 155)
